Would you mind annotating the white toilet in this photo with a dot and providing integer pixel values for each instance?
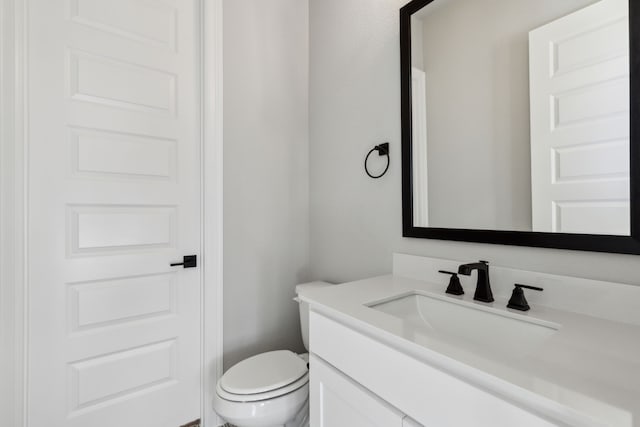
(270, 389)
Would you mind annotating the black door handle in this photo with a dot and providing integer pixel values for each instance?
(188, 261)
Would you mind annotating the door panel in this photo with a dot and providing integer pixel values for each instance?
(580, 122)
(114, 198)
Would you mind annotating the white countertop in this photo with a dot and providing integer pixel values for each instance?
(590, 365)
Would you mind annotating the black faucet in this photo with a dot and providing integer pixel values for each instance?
(483, 287)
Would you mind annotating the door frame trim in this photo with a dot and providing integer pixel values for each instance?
(212, 205)
(13, 213)
(14, 209)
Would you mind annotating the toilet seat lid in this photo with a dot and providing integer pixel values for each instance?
(264, 372)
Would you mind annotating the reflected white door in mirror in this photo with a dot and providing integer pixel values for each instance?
(579, 78)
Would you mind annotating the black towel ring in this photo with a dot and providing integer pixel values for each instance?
(383, 150)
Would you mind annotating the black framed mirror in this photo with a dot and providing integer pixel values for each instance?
(520, 122)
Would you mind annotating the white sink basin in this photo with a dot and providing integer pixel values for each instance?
(467, 325)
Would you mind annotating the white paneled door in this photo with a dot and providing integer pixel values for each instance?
(114, 198)
(580, 121)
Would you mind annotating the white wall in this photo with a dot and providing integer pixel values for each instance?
(355, 103)
(266, 216)
(417, 45)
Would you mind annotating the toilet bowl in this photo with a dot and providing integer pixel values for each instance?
(270, 389)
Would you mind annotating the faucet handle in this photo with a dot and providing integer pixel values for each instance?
(518, 301)
(454, 288)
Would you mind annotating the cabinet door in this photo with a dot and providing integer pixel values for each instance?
(338, 401)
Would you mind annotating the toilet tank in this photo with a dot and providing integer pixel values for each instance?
(304, 307)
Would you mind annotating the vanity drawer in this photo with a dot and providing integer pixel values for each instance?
(430, 396)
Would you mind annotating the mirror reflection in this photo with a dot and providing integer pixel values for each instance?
(520, 115)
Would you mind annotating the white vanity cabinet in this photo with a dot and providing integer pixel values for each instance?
(398, 345)
(357, 380)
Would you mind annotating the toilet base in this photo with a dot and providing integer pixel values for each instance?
(292, 408)
(301, 420)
